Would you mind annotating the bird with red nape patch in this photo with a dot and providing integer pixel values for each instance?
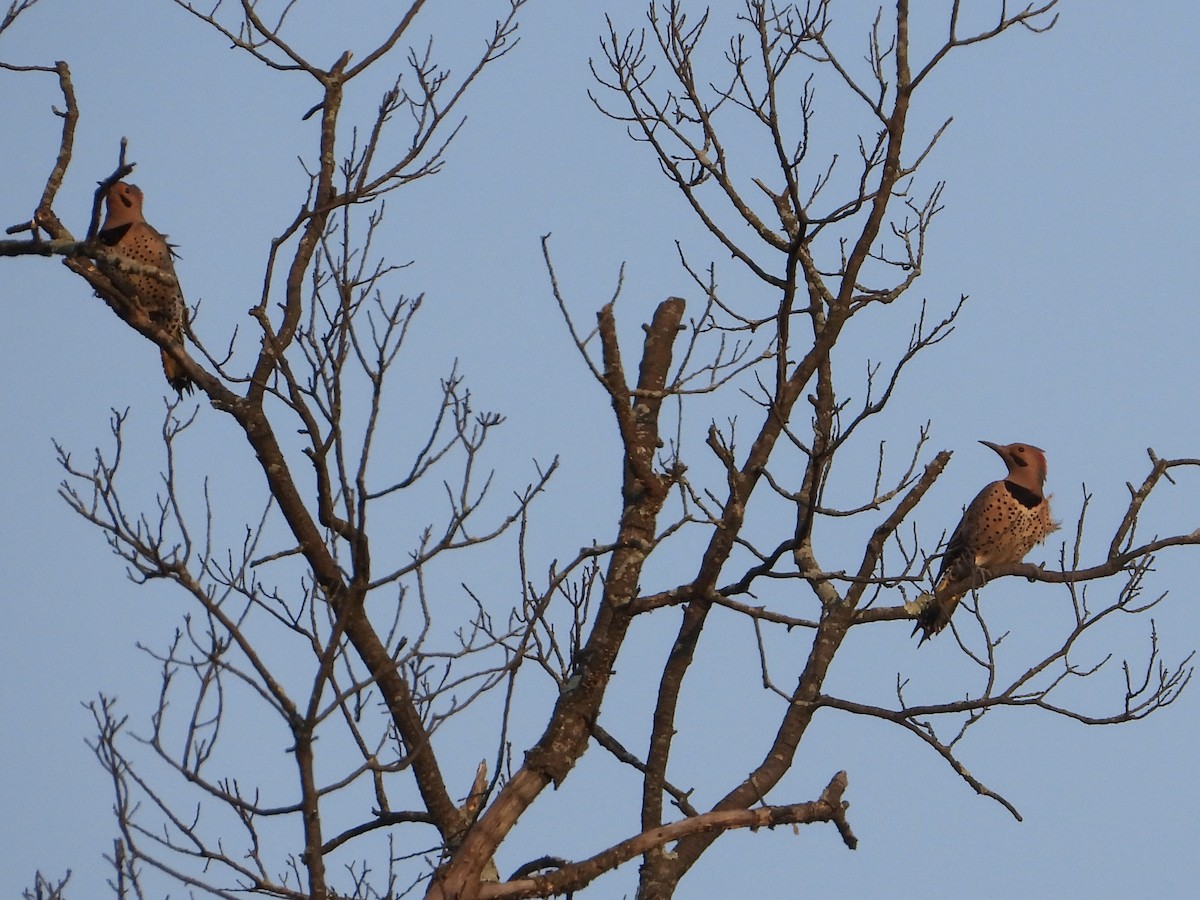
(131, 239)
(1002, 524)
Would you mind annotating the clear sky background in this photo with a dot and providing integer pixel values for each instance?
(1070, 221)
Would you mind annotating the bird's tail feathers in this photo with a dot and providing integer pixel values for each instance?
(176, 377)
(935, 610)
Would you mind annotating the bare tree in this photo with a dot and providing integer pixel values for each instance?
(314, 622)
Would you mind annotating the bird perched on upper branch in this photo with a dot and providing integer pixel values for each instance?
(132, 239)
(1001, 525)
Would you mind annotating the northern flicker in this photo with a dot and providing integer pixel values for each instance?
(127, 233)
(1001, 525)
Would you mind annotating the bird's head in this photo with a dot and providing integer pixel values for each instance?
(1026, 464)
(123, 204)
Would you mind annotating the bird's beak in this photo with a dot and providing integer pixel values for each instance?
(997, 447)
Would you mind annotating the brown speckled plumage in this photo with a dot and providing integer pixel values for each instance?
(1001, 525)
(130, 237)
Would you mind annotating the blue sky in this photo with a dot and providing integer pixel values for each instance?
(1069, 220)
